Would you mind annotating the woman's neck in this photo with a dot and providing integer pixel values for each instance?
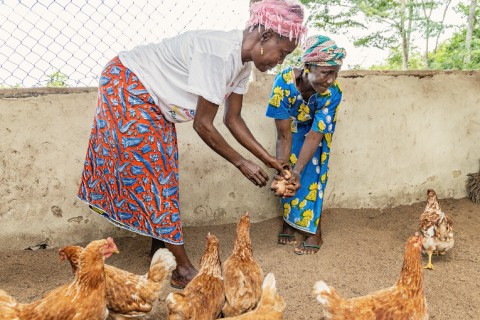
(302, 84)
(248, 43)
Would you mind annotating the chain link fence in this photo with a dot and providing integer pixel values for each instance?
(67, 42)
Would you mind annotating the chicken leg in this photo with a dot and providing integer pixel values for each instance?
(429, 264)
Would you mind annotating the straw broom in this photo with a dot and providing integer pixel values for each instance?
(473, 186)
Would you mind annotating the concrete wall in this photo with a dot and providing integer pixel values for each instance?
(397, 135)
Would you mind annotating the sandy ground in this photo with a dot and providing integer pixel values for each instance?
(362, 252)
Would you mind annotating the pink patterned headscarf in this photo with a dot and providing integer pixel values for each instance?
(284, 17)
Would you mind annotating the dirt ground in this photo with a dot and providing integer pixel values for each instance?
(362, 252)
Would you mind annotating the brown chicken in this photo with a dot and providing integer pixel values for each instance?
(204, 296)
(242, 275)
(281, 184)
(436, 229)
(130, 296)
(84, 298)
(403, 301)
(271, 305)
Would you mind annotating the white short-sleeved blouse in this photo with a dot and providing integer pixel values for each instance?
(177, 70)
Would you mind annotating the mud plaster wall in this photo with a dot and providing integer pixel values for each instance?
(397, 135)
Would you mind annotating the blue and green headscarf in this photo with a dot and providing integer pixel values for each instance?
(322, 51)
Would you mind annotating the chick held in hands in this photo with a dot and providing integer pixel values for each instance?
(285, 186)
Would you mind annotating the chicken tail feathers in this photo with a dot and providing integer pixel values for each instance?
(326, 296)
(6, 299)
(269, 282)
(163, 262)
(8, 306)
(270, 296)
(321, 290)
(165, 256)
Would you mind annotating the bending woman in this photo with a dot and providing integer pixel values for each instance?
(304, 104)
(130, 174)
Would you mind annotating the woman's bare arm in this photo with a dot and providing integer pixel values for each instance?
(203, 125)
(239, 129)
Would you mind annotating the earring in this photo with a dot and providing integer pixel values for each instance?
(261, 51)
(306, 71)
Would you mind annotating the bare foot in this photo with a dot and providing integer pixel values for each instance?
(181, 276)
(287, 235)
(311, 245)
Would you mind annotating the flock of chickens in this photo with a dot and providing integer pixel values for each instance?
(405, 300)
(236, 290)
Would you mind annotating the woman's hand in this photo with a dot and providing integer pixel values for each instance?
(253, 172)
(278, 185)
(293, 184)
(285, 187)
(282, 167)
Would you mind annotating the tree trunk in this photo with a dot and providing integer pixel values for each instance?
(468, 38)
(447, 4)
(427, 16)
(404, 36)
(409, 27)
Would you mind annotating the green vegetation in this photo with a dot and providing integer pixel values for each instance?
(293, 59)
(398, 22)
(453, 53)
(57, 80)
(5, 86)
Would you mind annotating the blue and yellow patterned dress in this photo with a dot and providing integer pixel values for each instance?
(303, 210)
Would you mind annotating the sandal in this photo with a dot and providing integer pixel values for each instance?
(176, 285)
(305, 246)
(289, 238)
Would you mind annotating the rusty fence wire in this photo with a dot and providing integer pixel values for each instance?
(67, 42)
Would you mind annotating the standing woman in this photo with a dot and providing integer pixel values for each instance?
(130, 174)
(304, 104)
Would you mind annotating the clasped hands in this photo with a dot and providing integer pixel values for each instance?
(286, 185)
